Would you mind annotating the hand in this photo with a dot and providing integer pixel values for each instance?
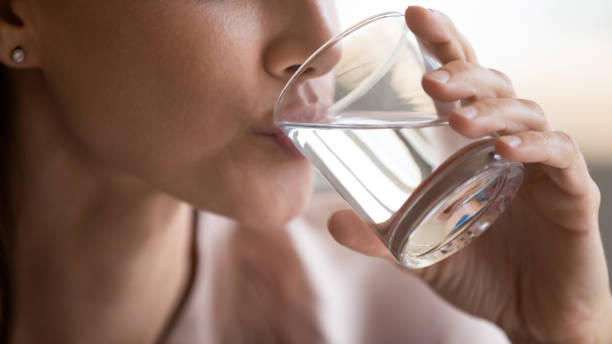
(539, 272)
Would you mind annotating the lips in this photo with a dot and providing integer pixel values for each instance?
(276, 135)
(301, 106)
(285, 143)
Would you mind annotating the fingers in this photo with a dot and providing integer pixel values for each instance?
(553, 149)
(464, 80)
(438, 35)
(498, 115)
(491, 96)
(350, 231)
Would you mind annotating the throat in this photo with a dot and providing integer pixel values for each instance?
(105, 281)
(266, 296)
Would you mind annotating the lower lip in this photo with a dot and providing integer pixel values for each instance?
(286, 145)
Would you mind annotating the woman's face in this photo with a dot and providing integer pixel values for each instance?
(180, 93)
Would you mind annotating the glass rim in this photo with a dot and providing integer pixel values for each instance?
(306, 64)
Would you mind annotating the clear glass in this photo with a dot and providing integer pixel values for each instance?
(356, 109)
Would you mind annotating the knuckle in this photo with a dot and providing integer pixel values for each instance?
(494, 108)
(506, 82)
(460, 66)
(445, 16)
(591, 199)
(540, 137)
(503, 76)
(567, 140)
(568, 145)
(490, 103)
(537, 112)
(533, 106)
(596, 195)
(485, 106)
(448, 22)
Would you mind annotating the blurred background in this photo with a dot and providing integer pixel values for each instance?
(557, 53)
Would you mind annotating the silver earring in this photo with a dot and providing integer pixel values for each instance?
(18, 55)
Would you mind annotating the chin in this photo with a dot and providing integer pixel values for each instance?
(273, 214)
(263, 209)
(263, 195)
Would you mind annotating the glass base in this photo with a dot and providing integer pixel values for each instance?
(456, 204)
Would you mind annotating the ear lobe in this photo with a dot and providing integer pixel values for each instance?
(16, 45)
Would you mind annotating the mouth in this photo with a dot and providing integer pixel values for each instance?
(277, 136)
(295, 113)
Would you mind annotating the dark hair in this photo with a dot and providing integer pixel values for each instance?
(7, 219)
(6, 214)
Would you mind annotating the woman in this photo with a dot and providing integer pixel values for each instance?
(121, 116)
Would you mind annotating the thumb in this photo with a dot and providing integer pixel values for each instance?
(351, 232)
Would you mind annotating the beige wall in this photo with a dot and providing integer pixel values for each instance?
(558, 52)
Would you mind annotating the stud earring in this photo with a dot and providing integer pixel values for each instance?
(18, 55)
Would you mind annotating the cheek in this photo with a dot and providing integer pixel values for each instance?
(176, 104)
(143, 95)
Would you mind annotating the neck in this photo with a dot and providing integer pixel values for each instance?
(99, 256)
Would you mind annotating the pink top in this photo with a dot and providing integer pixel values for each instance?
(262, 290)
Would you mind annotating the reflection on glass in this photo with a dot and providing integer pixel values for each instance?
(365, 122)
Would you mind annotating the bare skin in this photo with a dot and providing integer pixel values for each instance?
(130, 113)
(119, 127)
(62, 272)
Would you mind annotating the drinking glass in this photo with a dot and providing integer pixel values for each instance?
(356, 110)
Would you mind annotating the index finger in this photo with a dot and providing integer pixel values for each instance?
(439, 35)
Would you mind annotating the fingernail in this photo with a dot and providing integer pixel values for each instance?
(439, 76)
(468, 112)
(512, 141)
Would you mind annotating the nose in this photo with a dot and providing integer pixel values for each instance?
(309, 25)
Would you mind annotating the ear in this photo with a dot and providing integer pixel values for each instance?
(17, 36)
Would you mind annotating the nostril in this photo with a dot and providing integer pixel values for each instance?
(291, 70)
